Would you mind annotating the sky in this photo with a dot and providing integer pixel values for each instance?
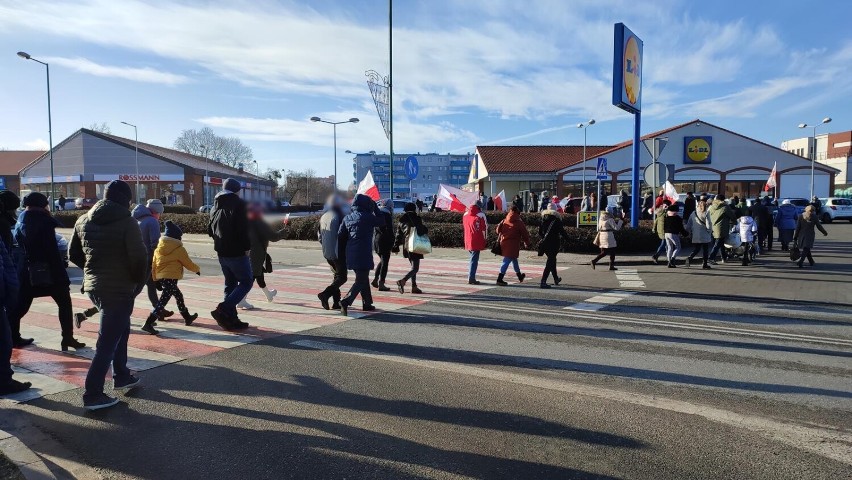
(465, 72)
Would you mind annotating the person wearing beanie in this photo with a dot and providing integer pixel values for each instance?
(355, 238)
(170, 258)
(409, 224)
(229, 229)
(383, 243)
(260, 234)
(328, 235)
(8, 298)
(721, 216)
(148, 217)
(107, 245)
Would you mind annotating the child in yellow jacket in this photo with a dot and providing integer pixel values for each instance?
(170, 258)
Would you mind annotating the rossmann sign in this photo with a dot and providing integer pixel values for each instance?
(132, 177)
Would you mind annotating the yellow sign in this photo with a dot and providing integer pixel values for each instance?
(632, 70)
(697, 150)
(588, 218)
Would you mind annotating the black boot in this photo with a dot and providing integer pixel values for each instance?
(521, 277)
(187, 317)
(72, 343)
(500, 280)
(149, 325)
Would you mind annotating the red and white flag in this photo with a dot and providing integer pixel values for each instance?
(671, 193)
(773, 179)
(500, 202)
(454, 199)
(368, 187)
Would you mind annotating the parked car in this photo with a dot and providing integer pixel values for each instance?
(799, 203)
(85, 203)
(834, 208)
(70, 204)
(63, 248)
(205, 208)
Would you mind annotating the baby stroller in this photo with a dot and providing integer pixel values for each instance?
(736, 247)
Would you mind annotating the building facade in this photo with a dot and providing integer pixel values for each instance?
(11, 164)
(435, 169)
(830, 149)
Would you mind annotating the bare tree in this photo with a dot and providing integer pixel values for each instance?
(100, 127)
(230, 151)
(273, 174)
(304, 188)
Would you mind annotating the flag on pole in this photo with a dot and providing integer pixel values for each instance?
(671, 192)
(453, 199)
(773, 179)
(500, 202)
(368, 187)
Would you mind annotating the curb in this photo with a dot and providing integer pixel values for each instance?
(30, 464)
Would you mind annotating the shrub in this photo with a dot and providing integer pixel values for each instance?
(184, 209)
(188, 222)
(67, 218)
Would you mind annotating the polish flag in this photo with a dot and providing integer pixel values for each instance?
(500, 202)
(454, 199)
(671, 193)
(773, 179)
(368, 187)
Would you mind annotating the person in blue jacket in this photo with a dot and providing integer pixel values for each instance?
(355, 236)
(786, 223)
(8, 294)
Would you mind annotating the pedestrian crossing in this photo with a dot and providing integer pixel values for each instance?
(295, 309)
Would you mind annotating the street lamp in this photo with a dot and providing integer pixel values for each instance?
(813, 154)
(584, 126)
(136, 135)
(27, 56)
(335, 124)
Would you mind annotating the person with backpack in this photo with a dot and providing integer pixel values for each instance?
(355, 236)
(170, 258)
(551, 233)
(409, 224)
(513, 236)
(328, 231)
(260, 234)
(475, 226)
(383, 238)
(229, 229)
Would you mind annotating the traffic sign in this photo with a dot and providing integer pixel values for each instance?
(661, 177)
(411, 167)
(602, 170)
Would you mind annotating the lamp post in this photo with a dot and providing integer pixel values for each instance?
(27, 56)
(335, 124)
(813, 154)
(136, 139)
(584, 126)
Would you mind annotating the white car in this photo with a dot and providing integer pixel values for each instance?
(834, 208)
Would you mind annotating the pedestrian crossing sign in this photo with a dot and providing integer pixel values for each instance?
(602, 170)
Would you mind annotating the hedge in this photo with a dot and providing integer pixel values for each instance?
(189, 223)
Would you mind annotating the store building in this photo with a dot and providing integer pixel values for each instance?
(830, 149)
(434, 169)
(87, 160)
(11, 164)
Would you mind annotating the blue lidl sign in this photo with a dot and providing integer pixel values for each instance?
(627, 70)
(412, 168)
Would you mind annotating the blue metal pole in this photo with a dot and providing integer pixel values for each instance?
(634, 203)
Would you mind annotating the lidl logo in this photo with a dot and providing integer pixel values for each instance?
(632, 70)
(697, 150)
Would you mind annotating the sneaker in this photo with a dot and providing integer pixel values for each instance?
(15, 387)
(99, 401)
(713, 262)
(656, 259)
(244, 305)
(126, 385)
(79, 318)
(270, 294)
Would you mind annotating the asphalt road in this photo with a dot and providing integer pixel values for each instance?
(733, 373)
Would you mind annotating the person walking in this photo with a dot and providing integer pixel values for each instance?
(805, 234)
(355, 235)
(647, 206)
(519, 202)
(409, 224)
(589, 203)
(44, 273)
(260, 234)
(661, 197)
(9, 203)
(419, 204)
(329, 226)
(62, 201)
(229, 229)
(771, 207)
(625, 203)
(475, 226)
(721, 215)
(383, 238)
(551, 232)
(170, 258)
(786, 220)
(545, 200)
(8, 298)
(763, 217)
(490, 204)
(673, 228)
(607, 226)
(533, 202)
(689, 205)
(659, 229)
(748, 230)
(107, 245)
(148, 217)
(700, 228)
(513, 236)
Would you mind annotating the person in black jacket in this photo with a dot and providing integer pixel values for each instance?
(383, 243)
(551, 232)
(761, 214)
(229, 228)
(409, 222)
(674, 230)
(689, 204)
(355, 237)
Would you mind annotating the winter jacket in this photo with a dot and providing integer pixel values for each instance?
(673, 224)
(761, 215)
(721, 215)
(260, 234)
(513, 235)
(700, 227)
(805, 236)
(475, 226)
(329, 225)
(786, 217)
(8, 279)
(409, 222)
(149, 226)
(35, 233)
(356, 233)
(170, 258)
(7, 222)
(607, 225)
(588, 204)
(624, 202)
(659, 223)
(551, 233)
(383, 236)
(688, 206)
(107, 245)
(748, 227)
(229, 226)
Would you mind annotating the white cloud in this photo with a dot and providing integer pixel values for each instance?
(37, 144)
(136, 74)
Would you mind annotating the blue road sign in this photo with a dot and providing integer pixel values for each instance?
(411, 167)
(2, 183)
(602, 175)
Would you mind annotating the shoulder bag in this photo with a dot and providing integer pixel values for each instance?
(540, 248)
(420, 244)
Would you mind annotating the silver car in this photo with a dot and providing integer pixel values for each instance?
(834, 208)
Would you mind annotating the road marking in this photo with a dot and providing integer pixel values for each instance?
(824, 442)
(42, 385)
(599, 301)
(629, 278)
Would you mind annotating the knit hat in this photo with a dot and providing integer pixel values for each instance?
(673, 208)
(173, 231)
(9, 201)
(409, 207)
(155, 205)
(232, 185)
(35, 199)
(119, 192)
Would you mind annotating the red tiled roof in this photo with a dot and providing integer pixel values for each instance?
(655, 134)
(534, 158)
(13, 161)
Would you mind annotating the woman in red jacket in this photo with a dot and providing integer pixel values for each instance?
(513, 236)
(475, 232)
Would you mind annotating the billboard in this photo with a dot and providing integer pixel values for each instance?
(627, 70)
(697, 150)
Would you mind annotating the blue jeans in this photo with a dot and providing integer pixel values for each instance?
(5, 349)
(238, 281)
(112, 340)
(719, 246)
(474, 264)
(505, 265)
(662, 248)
